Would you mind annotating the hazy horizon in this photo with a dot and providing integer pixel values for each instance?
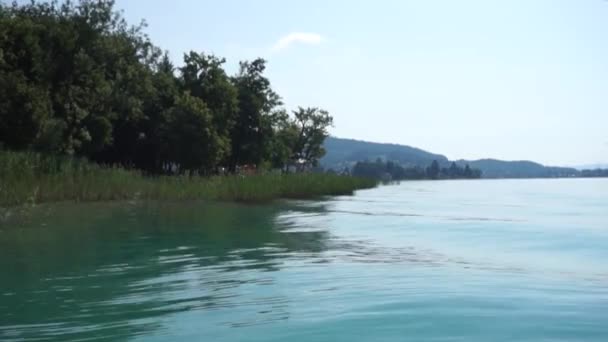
(475, 79)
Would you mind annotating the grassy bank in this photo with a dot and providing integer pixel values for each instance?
(30, 178)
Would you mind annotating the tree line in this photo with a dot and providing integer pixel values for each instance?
(393, 171)
(77, 79)
(594, 173)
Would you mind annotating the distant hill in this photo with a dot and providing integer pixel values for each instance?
(493, 168)
(343, 153)
(346, 152)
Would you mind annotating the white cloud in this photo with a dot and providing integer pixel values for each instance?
(297, 37)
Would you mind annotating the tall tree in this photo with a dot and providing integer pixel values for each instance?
(153, 144)
(467, 173)
(282, 143)
(204, 78)
(193, 140)
(432, 171)
(256, 103)
(312, 125)
(454, 171)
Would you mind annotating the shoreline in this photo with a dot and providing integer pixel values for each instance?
(30, 179)
(121, 185)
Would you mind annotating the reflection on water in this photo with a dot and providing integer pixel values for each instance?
(433, 260)
(109, 270)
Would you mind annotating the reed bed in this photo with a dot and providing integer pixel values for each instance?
(31, 178)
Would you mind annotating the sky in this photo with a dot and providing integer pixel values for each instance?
(514, 80)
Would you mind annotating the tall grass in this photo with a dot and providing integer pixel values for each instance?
(30, 178)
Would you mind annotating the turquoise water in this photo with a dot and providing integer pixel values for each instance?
(487, 260)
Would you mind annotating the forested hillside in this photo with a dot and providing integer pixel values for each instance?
(342, 153)
(493, 168)
(345, 153)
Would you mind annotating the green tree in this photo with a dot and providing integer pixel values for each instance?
(454, 171)
(153, 147)
(251, 134)
(282, 142)
(204, 77)
(312, 125)
(432, 171)
(467, 173)
(24, 109)
(193, 140)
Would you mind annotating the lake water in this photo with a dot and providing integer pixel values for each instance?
(486, 260)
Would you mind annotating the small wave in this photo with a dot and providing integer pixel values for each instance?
(451, 218)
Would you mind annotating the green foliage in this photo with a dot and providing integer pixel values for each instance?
(76, 79)
(24, 109)
(192, 137)
(204, 78)
(594, 173)
(252, 134)
(432, 171)
(343, 153)
(285, 135)
(311, 125)
(493, 168)
(298, 141)
(77, 63)
(393, 171)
